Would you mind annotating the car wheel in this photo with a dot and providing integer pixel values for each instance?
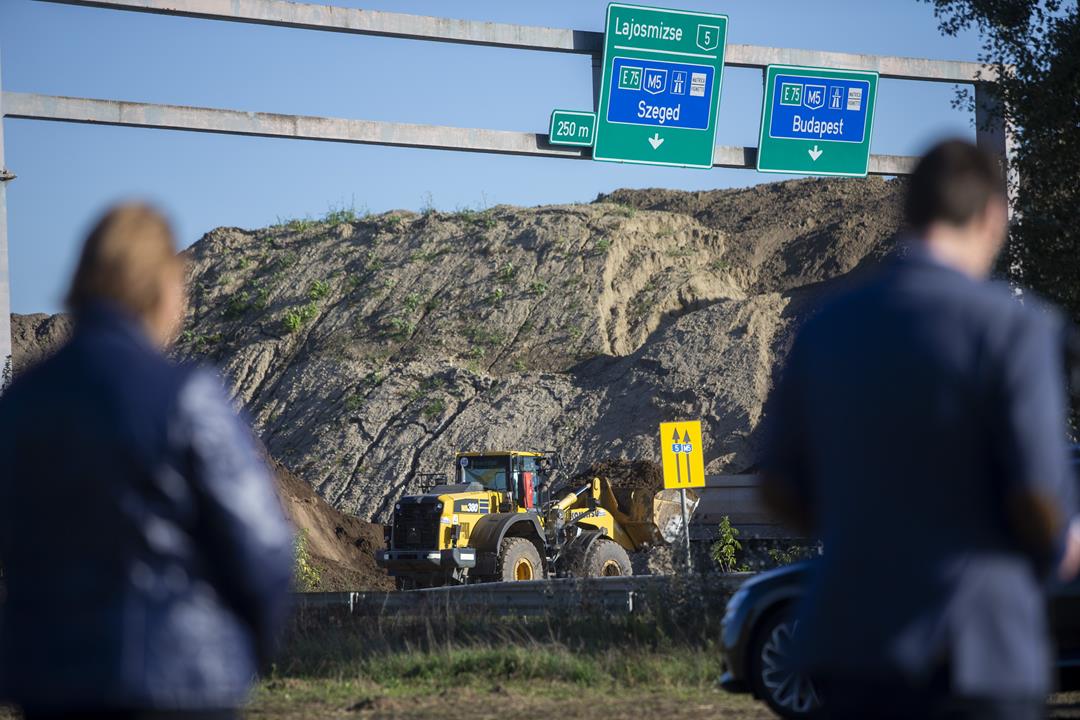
(786, 690)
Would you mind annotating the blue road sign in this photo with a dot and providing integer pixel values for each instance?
(661, 93)
(810, 108)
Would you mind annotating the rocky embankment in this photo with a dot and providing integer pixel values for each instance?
(368, 349)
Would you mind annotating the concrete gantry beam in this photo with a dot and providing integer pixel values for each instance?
(310, 16)
(371, 132)
(302, 127)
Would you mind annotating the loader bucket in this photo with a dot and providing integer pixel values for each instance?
(650, 518)
(667, 513)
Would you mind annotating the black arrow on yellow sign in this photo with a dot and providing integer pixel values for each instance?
(686, 441)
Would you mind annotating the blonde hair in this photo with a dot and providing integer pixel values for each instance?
(123, 260)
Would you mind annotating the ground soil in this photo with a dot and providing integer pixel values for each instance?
(300, 699)
(289, 700)
(369, 349)
(35, 337)
(625, 474)
(342, 547)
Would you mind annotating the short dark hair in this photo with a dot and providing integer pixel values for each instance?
(953, 183)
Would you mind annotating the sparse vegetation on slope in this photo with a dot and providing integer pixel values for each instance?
(575, 327)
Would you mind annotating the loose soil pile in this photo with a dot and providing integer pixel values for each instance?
(369, 349)
(35, 337)
(341, 546)
(625, 474)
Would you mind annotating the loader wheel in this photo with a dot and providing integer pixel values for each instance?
(606, 558)
(518, 560)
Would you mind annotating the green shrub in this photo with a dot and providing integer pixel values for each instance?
(603, 245)
(340, 216)
(297, 317)
(318, 290)
(791, 554)
(538, 287)
(255, 298)
(507, 272)
(479, 335)
(200, 342)
(305, 575)
(434, 409)
(726, 547)
(427, 204)
(401, 328)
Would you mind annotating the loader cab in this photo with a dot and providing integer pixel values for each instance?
(491, 471)
(517, 476)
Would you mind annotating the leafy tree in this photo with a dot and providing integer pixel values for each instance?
(1033, 47)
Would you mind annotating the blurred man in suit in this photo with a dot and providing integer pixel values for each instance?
(146, 556)
(919, 430)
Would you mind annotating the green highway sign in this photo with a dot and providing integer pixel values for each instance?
(817, 121)
(661, 86)
(572, 127)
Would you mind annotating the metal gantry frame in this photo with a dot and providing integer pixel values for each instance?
(990, 134)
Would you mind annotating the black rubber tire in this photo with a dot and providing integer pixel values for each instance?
(519, 560)
(774, 635)
(605, 558)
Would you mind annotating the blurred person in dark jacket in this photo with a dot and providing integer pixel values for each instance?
(919, 429)
(146, 555)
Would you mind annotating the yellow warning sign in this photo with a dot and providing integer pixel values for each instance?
(680, 448)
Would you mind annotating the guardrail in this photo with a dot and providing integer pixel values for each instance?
(584, 596)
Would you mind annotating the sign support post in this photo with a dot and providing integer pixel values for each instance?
(686, 531)
(684, 467)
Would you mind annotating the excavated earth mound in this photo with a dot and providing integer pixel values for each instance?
(625, 474)
(35, 337)
(341, 547)
(369, 349)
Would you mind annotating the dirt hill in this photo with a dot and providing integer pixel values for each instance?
(368, 349)
(341, 547)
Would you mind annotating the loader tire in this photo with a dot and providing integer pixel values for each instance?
(606, 558)
(519, 560)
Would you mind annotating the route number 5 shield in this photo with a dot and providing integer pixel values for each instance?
(708, 37)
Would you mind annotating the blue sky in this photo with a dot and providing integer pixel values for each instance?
(68, 173)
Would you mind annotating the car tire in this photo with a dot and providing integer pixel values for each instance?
(788, 692)
(519, 560)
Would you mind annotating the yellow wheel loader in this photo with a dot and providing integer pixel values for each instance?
(498, 521)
